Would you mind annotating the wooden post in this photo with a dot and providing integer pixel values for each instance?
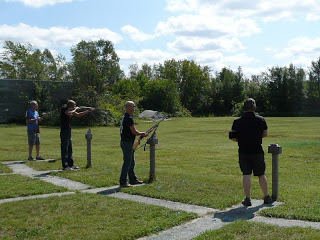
(275, 149)
(88, 137)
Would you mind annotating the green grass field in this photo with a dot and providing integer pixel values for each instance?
(196, 162)
(242, 230)
(19, 186)
(84, 216)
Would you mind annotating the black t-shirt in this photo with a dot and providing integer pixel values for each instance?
(125, 131)
(65, 120)
(249, 129)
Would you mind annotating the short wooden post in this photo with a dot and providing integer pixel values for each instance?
(275, 149)
(88, 137)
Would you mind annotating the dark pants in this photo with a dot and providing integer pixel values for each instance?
(128, 163)
(66, 148)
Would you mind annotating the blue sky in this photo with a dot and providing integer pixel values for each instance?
(253, 34)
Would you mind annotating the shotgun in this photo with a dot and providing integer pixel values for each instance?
(137, 143)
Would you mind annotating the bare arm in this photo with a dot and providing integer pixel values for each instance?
(234, 139)
(265, 133)
(34, 120)
(136, 132)
(74, 113)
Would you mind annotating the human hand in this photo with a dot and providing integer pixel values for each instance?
(39, 119)
(145, 134)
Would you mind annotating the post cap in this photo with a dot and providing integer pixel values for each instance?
(274, 149)
(152, 141)
(88, 135)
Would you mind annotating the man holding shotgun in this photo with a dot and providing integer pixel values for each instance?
(66, 113)
(32, 121)
(128, 134)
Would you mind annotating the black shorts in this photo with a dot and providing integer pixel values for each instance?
(252, 163)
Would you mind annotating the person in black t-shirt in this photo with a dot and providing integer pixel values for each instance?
(66, 113)
(248, 131)
(128, 133)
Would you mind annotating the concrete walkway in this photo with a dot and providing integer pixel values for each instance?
(210, 219)
(19, 167)
(35, 197)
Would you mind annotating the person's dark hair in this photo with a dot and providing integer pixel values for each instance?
(70, 103)
(249, 105)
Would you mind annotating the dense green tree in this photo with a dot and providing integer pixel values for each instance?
(23, 61)
(161, 95)
(94, 67)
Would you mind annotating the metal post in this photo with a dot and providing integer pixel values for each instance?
(152, 141)
(275, 149)
(89, 137)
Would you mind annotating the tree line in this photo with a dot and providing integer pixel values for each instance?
(177, 87)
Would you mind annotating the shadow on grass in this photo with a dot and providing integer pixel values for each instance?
(240, 213)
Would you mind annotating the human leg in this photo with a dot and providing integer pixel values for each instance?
(30, 151)
(132, 176)
(64, 148)
(264, 184)
(127, 161)
(70, 151)
(246, 181)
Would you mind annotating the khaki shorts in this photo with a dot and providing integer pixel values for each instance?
(33, 137)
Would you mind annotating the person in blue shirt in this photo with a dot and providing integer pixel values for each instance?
(32, 121)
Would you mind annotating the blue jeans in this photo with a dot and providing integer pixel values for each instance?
(128, 163)
(66, 148)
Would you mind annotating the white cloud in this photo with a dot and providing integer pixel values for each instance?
(301, 51)
(271, 10)
(54, 36)
(185, 44)
(135, 34)
(301, 46)
(150, 56)
(206, 26)
(39, 3)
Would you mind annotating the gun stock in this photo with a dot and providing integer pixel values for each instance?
(136, 144)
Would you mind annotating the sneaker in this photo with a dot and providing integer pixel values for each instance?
(67, 169)
(31, 159)
(125, 185)
(40, 158)
(136, 182)
(267, 200)
(74, 167)
(247, 202)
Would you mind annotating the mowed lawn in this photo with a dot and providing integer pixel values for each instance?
(196, 162)
(84, 216)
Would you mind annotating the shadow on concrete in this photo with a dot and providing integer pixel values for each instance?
(240, 213)
(110, 190)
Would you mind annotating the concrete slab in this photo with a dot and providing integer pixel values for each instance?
(188, 230)
(5, 174)
(35, 197)
(63, 182)
(286, 222)
(22, 169)
(164, 203)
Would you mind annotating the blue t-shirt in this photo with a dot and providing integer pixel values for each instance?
(32, 114)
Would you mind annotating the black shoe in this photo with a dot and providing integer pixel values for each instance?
(31, 159)
(74, 167)
(67, 169)
(247, 202)
(40, 158)
(137, 182)
(267, 200)
(126, 185)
